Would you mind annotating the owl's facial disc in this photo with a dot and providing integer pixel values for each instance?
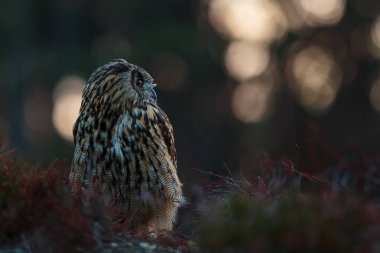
(143, 84)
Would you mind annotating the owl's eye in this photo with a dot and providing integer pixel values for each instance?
(139, 84)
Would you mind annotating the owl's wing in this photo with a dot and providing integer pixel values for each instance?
(167, 134)
(79, 167)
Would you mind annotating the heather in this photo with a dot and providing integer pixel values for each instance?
(274, 207)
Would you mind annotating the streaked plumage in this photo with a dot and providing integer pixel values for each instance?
(125, 141)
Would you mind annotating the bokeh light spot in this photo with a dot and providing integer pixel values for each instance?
(375, 37)
(375, 95)
(293, 14)
(250, 102)
(245, 60)
(252, 20)
(317, 78)
(322, 12)
(67, 99)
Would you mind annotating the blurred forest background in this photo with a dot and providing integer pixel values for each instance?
(237, 78)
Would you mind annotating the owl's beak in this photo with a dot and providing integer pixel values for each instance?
(152, 85)
(149, 87)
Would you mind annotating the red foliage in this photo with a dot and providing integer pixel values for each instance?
(37, 206)
(39, 211)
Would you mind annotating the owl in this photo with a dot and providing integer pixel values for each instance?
(124, 142)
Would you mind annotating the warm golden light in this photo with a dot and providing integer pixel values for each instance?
(67, 99)
(293, 14)
(322, 12)
(250, 102)
(252, 20)
(374, 95)
(375, 37)
(316, 78)
(245, 60)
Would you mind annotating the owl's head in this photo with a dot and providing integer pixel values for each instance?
(118, 84)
